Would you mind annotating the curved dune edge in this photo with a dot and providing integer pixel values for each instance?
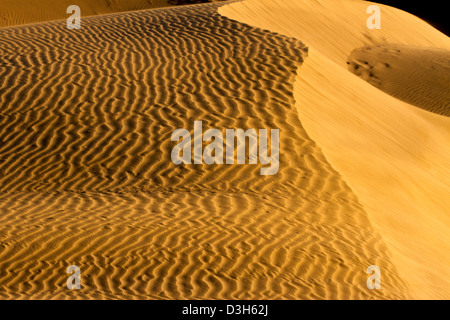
(86, 176)
(393, 155)
(395, 158)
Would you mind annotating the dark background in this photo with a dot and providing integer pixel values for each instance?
(432, 11)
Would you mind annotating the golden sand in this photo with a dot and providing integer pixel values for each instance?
(86, 176)
(393, 155)
(16, 12)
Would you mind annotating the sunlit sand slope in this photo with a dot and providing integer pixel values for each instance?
(393, 155)
(86, 176)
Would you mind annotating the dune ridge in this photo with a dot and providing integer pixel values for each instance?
(86, 176)
(393, 155)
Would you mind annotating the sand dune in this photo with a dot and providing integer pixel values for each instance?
(86, 176)
(393, 155)
(15, 12)
(417, 75)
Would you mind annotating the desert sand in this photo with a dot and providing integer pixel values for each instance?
(17, 12)
(414, 74)
(394, 156)
(86, 176)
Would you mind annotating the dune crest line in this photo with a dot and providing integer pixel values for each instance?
(393, 155)
(86, 176)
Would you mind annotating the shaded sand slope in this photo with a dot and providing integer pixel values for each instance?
(15, 12)
(417, 75)
(393, 155)
(86, 176)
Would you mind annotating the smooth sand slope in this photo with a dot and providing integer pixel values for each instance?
(86, 176)
(15, 12)
(393, 155)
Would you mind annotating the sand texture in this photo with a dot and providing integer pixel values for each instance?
(86, 176)
(393, 155)
(16, 12)
(417, 75)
